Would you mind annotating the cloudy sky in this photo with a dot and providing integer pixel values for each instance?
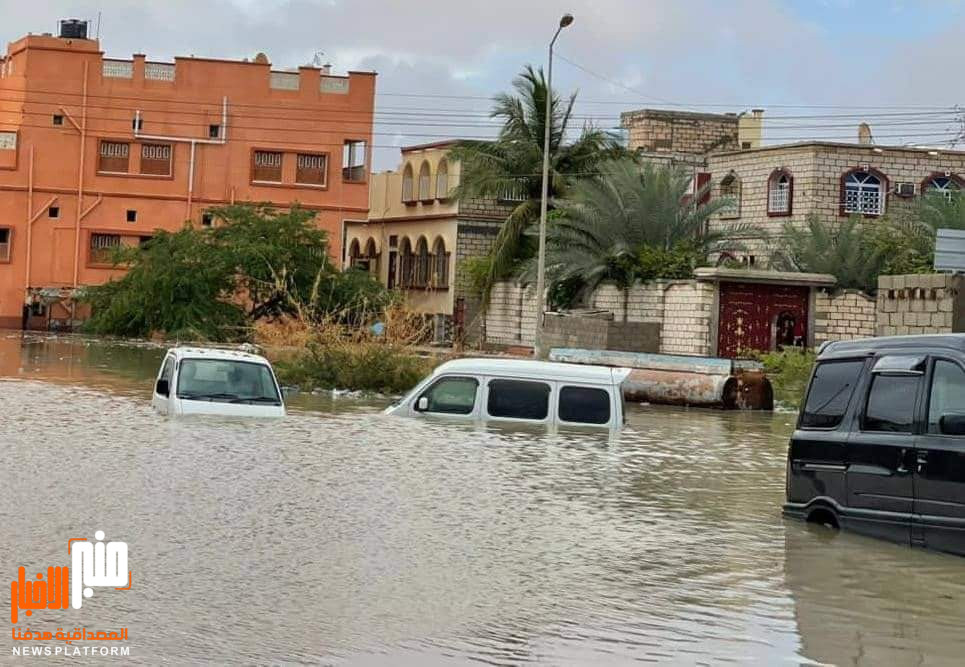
(817, 67)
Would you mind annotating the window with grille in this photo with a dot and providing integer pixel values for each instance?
(425, 182)
(420, 273)
(102, 247)
(730, 189)
(945, 185)
(442, 180)
(779, 193)
(353, 161)
(311, 169)
(406, 264)
(8, 141)
(863, 193)
(114, 157)
(4, 244)
(156, 159)
(266, 167)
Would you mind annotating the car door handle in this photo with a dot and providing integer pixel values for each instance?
(901, 469)
(921, 460)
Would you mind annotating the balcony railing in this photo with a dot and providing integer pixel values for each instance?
(118, 69)
(284, 80)
(159, 71)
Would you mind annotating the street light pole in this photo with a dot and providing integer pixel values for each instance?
(538, 350)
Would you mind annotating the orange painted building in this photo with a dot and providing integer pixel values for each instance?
(96, 152)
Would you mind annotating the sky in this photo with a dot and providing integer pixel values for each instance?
(817, 67)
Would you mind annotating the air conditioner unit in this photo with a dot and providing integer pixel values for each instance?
(905, 189)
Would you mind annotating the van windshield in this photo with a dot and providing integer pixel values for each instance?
(226, 381)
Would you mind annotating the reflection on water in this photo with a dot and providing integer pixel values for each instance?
(340, 535)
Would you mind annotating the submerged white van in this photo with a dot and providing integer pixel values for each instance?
(519, 390)
(209, 381)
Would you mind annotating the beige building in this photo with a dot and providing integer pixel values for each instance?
(773, 185)
(417, 236)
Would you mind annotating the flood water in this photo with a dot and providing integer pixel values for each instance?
(340, 536)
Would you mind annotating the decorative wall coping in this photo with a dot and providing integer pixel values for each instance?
(723, 274)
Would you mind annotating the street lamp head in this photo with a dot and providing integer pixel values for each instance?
(566, 20)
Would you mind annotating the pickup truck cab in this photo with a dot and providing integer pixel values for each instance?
(210, 381)
(879, 446)
(519, 390)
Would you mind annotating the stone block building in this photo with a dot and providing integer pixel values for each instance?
(417, 238)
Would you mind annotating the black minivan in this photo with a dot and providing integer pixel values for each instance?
(879, 446)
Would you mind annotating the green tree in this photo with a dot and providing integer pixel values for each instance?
(178, 283)
(512, 164)
(846, 250)
(630, 223)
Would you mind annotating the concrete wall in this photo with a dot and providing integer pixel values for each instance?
(689, 317)
(598, 333)
(920, 304)
(680, 131)
(511, 316)
(843, 315)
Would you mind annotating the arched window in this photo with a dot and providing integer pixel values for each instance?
(353, 253)
(407, 184)
(946, 184)
(730, 188)
(425, 181)
(421, 263)
(863, 191)
(405, 263)
(780, 192)
(372, 255)
(442, 180)
(440, 264)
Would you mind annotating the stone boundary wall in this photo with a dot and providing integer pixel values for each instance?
(843, 315)
(920, 304)
(599, 333)
(511, 316)
(688, 317)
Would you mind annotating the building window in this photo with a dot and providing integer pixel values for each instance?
(442, 180)
(353, 161)
(266, 167)
(420, 277)
(863, 191)
(114, 157)
(946, 185)
(780, 189)
(102, 247)
(53, 212)
(131, 215)
(214, 131)
(425, 181)
(137, 124)
(156, 159)
(58, 119)
(143, 240)
(440, 264)
(5, 244)
(730, 189)
(8, 141)
(311, 169)
(407, 184)
(207, 220)
(406, 263)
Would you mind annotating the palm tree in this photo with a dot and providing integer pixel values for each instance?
(510, 167)
(631, 223)
(854, 253)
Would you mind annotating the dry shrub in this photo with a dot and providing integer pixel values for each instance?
(283, 332)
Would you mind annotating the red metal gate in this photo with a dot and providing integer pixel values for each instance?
(760, 317)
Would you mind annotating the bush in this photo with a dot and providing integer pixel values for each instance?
(789, 371)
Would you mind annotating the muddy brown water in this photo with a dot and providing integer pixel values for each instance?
(340, 536)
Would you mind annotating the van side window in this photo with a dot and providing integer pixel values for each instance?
(517, 399)
(584, 405)
(452, 395)
(830, 393)
(891, 403)
(947, 394)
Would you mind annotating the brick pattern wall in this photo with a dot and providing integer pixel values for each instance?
(843, 315)
(511, 316)
(485, 209)
(596, 333)
(680, 131)
(645, 301)
(816, 170)
(917, 304)
(688, 311)
(474, 238)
